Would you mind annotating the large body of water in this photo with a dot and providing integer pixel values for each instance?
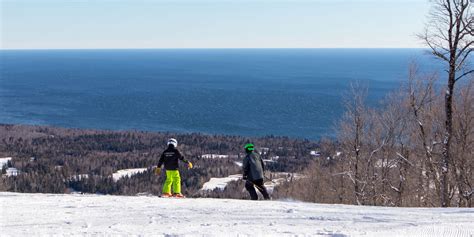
(249, 92)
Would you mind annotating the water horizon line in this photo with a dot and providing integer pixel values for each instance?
(212, 48)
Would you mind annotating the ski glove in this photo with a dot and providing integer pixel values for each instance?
(190, 165)
(158, 171)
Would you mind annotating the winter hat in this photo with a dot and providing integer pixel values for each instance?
(173, 142)
(249, 147)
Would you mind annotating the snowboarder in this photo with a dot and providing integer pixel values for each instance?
(170, 159)
(253, 169)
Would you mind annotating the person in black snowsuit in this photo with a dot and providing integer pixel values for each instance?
(170, 158)
(253, 169)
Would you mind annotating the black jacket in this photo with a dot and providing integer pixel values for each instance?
(253, 167)
(170, 158)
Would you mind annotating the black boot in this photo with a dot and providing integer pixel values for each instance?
(251, 190)
(262, 189)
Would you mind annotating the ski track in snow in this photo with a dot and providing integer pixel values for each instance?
(54, 214)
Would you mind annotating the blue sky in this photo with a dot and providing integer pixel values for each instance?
(46, 24)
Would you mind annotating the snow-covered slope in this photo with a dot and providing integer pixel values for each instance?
(48, 214)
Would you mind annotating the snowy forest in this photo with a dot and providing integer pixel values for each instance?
(57, 160)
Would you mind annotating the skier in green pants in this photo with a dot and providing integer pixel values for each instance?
(170, 159)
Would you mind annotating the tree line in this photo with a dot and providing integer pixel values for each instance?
(418, 148)
(59, 160)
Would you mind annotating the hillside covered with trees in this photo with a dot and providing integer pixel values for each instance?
(58, 160)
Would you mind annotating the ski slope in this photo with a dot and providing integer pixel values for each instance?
(51, 214)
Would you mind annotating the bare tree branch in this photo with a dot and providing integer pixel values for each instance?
(464, 74)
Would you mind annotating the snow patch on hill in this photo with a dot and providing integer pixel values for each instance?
(278, 178)
(214, 156)
(50, 214)
(127, 173)
(219, 183)
(12, 172)
(9, 171)
(4, 161)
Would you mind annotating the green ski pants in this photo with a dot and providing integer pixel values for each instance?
(172, 179)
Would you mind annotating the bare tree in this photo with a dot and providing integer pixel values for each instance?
(351, 133)
(394, 118)
(450, 34)
(427, 131)
(464, 143)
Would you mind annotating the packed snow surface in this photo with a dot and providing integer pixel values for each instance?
(75, 214)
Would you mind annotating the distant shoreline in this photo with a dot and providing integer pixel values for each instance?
(171, 133)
